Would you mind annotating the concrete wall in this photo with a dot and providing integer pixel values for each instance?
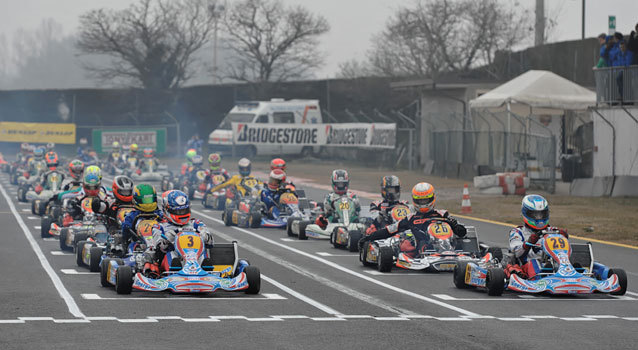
(626, 142)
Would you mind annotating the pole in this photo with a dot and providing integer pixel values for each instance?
(583, 22)
(215, 53)
(539, 34)
(507, 135)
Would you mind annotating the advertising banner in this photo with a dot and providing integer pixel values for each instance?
(61, 133)
(363, 135)
(144, 138)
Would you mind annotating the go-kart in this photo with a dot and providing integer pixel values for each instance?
(39, 196)
(191, 271)
(4, 165)
(435, 250)
(149, 170)
(90, 226)
(28, 180)
(343, 233)
(188, 183)
(568, 268)
(215, 200)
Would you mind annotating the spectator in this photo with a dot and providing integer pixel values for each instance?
(195, 143)
(615, 49)
(623, 58)
(632, 45)
(604, 55)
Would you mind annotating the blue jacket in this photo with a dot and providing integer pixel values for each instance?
(270, 197)
(131, 218)
(623, 58)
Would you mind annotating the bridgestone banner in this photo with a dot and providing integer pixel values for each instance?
(363, 135)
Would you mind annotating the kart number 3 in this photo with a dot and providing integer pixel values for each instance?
(190, 241)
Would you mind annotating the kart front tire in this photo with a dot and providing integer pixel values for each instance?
(289, 228)
(302, 230)
(622, 280)
(64, 232)
(96, 256)
(254, 221)
(363, 253)
(459, 275)
(227, 217)
(103, 273)
(353, 241)
(45, 226)
(78, 253)
(253, 276)
(495, 281)
(124, 280)
(385, 260)
(34, 211)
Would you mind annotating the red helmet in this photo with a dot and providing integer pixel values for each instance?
(278, 163)
(52, 160)
(148, 153)
(123, 188)
(277, 177)
(76, 168)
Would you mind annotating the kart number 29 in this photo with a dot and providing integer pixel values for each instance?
(557, 243)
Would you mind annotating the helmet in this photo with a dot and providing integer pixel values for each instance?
(123, 188)
(215, 161)
(191, 153)
(277, 176)
(197, 160)
(145, 198)
(24, 147)
(177, 207)
(148, 153)
(52, 160)
(76, 168)
(50, 146)
(91, 180)
(423, 197)
(133, 148)
(39, 153)
(115, 146)
(390, 188)
(244, 167)
(340, 181)
(535, 211)
(278, 163)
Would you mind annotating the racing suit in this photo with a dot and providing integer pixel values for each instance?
(331, 198)
(164, 237)
(527, 256)
(418, 224)
(271, 199)
(128, 227)
(76, 197)
(43, 178)
(380, 213)
(238, 182)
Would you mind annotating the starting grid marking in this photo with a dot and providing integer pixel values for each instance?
(536, 298)
(265, 296)
(338, 318)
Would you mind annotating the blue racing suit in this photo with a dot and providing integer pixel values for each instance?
(271, 199)
(128, 227)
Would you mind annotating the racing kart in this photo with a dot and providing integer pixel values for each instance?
(38, 196)
(191, 271)
(149, 170)
(187, 183)
(343, 233)
(441, 252)
(90, 226)
(27, 180)
(568, 268)
(4, 165)
(215, 200)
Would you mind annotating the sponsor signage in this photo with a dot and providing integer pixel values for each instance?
(144, 138)
(63, 133)
(364, 135)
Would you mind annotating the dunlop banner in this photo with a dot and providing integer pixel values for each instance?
(363, 135)
(37, 132)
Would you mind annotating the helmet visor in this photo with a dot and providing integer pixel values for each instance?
(125, 192)
(393, 192)
(180, 212)
(340, 186)
(423, 201)
(537, 214)
(94, 187)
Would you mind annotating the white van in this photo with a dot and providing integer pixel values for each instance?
(275, 111)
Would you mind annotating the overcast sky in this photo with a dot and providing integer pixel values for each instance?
(353, 22)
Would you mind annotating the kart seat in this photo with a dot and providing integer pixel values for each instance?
(582, 257)
(223, 254)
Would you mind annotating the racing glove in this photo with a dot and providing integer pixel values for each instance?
(532, 239)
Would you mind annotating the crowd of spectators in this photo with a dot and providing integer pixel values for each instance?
(616, 51)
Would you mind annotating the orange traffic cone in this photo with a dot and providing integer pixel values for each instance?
(466, 205)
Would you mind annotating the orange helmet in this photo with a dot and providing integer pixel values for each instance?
(52, 160)
(277, 177)
(423, 197)
(278, 163)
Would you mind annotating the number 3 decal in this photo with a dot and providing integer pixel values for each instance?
(190, 242)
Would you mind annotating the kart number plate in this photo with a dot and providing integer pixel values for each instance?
(344, 206)
(86, 204)
(251, 182)
(556, 242)
(399, 212)
(145, 228)
(218, 179)
(288, 198)
(190, 242)
(440, 230)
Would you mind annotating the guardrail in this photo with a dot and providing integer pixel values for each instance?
(616, 85)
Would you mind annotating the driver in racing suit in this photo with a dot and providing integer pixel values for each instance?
(380, 210)
(52, 164)
(177, 211)
(535, 211)
(238, 180)
(91, 187)
(340, 182)
(145, 203)
(423, 199)
(271, 194)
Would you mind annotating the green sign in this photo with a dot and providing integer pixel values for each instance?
(612, 25)
(144, 138)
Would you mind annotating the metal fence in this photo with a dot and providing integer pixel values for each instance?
(616, 84)
(533, 153)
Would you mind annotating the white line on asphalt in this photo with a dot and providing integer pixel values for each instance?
(59, 252)
(49, 239)
(534, 298)
(514, 319)
(632, 293)
(24, 203)
(379, 273)
(632, 273)
(325, 308)
(76, 272)
(37, 227)
(330, 254)
(33, 218)
(64, 293)
(577, 319)
(26, 210)
(266, 296)
(290, 240)
(350, 272)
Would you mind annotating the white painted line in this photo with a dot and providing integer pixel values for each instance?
(50, 239)
(417, 316)
(290, 240)
(453, 319)
(59, 252)
(64, 293)
(357, 316)
(72, 320)
(199, 320)
(264, 319)
(444, 296)
(33, 218)
(327, 319)
(632, 293)
(136, 320)
(24, 203)
(101, 318)
(577, 319)
(228, 317)
(379, 273)
(37, 227)
(160, 318)
(11, 321)
(36, 318)
(539, 298)
(329, 254)
(600, 316)
(267, 296)
(76, 272)
(514, 319)
(25, 210)
(292, 317)
(348, 271)
(630, 318)
(539, 316)
(391, 319)
(325, 308)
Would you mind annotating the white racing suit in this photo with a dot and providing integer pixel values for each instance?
(331, 198)
(164, 237)
(528, 257)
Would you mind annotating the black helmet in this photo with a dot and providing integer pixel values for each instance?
(390, 188)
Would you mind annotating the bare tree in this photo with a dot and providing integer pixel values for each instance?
(353, 68)
(445, 35)
(151, 43)
(270, 42)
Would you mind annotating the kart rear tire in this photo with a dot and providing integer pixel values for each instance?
(227, 217)
(21, 194)
(42, 208)
(385, 260)
(622, 280)
(497, 253)
(79, 237)
(459, 275)
(96, 256)
(362, 256)
(289, 228)
(495, 281)
(353, 241)
(124, 279)
(253, 276)
(254, 220)
(64, 232)
(103, 273)
(45, 226)
(302, 230)
(78, 253)
(33, 210)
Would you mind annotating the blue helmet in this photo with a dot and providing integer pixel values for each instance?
(39, 153)
(177, 207)
(535, 211)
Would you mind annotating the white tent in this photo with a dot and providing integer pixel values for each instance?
(537, 92)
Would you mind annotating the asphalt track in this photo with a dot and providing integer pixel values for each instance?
(313, 296)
